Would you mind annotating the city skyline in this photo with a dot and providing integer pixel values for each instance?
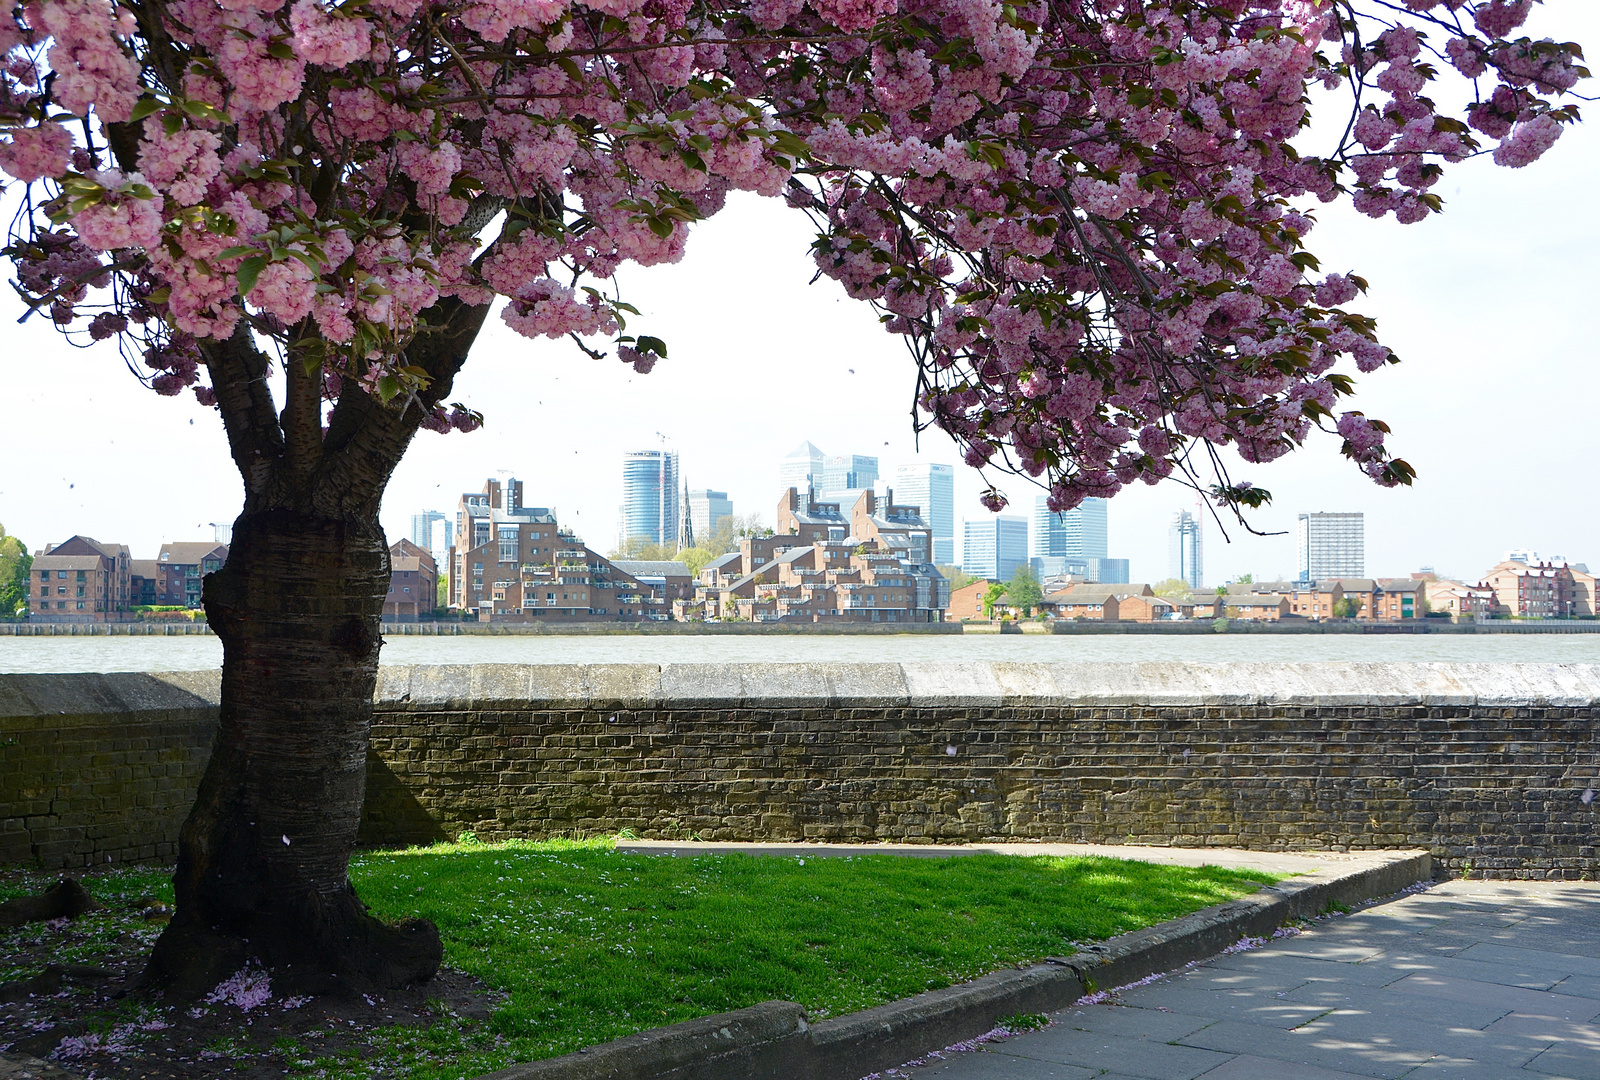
(1439, 291)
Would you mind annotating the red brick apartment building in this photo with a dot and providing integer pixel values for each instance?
(81, 581)
(821, 566)
(181, 569)
(413, 583)
(515, 563)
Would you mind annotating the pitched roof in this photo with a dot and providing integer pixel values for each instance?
(88, 545)
(53, 561)
(186, 553)
(722, 560)
(146, 568)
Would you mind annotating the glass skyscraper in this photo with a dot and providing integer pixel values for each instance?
(801, 469)
(1184, 561)
(1079, 533)
(932, 488)
(706, 508)
(993, 547)
(650, 496)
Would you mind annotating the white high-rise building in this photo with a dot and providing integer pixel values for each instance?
(425, 526)
(706, 508)
(994, 546)
(1184, 547)
(650, 496)
(1079, 533)
(801, 469)
(931, 488)
(1331, 546)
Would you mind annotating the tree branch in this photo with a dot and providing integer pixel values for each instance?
(238, 373)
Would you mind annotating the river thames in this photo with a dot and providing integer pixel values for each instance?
(63, 654)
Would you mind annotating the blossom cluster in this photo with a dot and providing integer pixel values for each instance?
(1088, 219)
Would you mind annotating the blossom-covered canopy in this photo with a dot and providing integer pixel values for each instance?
(1087, 217)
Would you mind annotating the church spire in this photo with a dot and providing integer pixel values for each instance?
(686, 534)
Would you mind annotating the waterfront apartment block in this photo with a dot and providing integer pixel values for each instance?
(181, 571)
(515, 563)
(821, 565)
(1331, 546)
(81, 580)
(1530, 587)
(413, 583)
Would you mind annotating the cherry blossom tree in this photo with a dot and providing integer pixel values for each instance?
(1087, 218)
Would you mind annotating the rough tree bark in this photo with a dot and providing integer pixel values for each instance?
(263, 859)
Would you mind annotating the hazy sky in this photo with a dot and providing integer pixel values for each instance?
(1494, 308)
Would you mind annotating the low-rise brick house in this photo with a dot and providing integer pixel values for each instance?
(1400, 598)
(515, 563)
(1258, 607)
(967, 601)
(1104, 602)
(182, 569)
(413, 583)
(81, 580)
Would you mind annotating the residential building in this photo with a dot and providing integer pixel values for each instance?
(515, 563)
(182, 569)
(1258, 607)
(1462, 600)
(1528, 586)
(413, 583)
(1399, 598)
(650, 496)
(801, 469)
(933, 488)
(430, 531)
(1184, 542)
(142, 579)
(1079, 533)
(1108, 603)
(663, 583)
(80, 580)
(967, 601)
(993, 547)
(1331, 545)
(706, 509)
(821, 565)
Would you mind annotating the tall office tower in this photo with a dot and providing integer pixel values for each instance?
(932, 488)
(706, 508)
(847, 472)
(1331, 546)
(993, 547)
(650, 496)
(422, 530)
(1184, 549)
(801, 469)
(1079, 533)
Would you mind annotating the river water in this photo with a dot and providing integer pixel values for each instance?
(63, 654)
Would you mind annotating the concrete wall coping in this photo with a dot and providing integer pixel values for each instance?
(924, 685)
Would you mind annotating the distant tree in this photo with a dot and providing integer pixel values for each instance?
(1247, 579)
(1347, 608)
(1172, 587)
(992, 596)
(956, 577)
(641, 547)
(15, 562)
(694, 558)
(730, 530)
(1023, 590)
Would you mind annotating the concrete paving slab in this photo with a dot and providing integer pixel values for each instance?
(1450, 967)
(979, 1065)
(1267, 1008)
(1566, 1061)
(1135, 1057)
(1448, 1068)
(1248, 1067)
(1378, 1002)
(1578, 986)
(1571, 963)
(1550, 1029)
(1511, 998)
(1350, 1029)
(1305, 1047)
(1282, 967)
(1134, 1023)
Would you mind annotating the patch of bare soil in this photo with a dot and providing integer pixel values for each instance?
(66, 998)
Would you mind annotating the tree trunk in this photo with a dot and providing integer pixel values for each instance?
(263, 858)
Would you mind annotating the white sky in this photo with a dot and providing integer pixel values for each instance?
(1493, 307)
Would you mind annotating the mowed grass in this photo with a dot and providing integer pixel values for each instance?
(589, 944)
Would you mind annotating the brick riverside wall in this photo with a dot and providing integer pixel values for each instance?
(1481, 764)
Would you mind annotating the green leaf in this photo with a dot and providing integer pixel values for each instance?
(388, 387)
(249, 271)
(147, 106)
(280, 50)
(653, 345)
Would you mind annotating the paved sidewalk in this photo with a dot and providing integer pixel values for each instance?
(1472, 980)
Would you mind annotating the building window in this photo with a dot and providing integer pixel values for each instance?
(508, 544)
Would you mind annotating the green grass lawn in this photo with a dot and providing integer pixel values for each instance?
(591, 944)
(585, 944)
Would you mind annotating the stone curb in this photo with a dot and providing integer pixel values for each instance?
(774, 1040)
